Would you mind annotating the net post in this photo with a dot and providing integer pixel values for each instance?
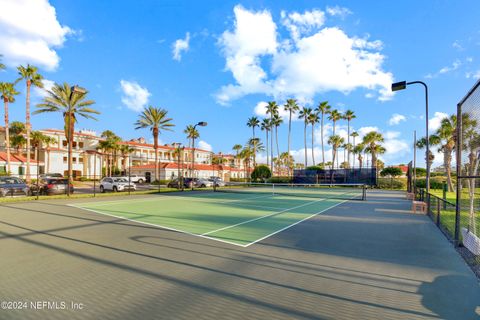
(273, 189)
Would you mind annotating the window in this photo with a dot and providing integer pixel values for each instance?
(65, 159)
(64, 143)
(74, 144)
(21, 170)
(3, 169)
(74, 159)
(80, 144)
(80, 160)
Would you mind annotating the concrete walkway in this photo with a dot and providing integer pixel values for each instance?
(359, 260)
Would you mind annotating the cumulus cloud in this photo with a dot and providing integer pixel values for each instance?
(314, 59)
(396, 119)
(261, 111)
(31, 33)
(473, 74)
(436, 120)
(179, 46)
(338, 11)
(454, 66)
(47, 86)
(204, 145)
(134, 96)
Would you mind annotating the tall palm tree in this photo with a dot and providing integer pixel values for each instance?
(192, 133)
(2, 66)
(324, 109)
(334, 116)
(349, 115)
(335, 141)
(255, 145)
(157, 120)
(354, 134)
(447, 134)
(471, 140)
(71, 105)
(288, 161)
(434, 140)
(104, 147)
(305, 114)
(277, 121)
(32, 77)
(38, 138)
(16, 131)
(8, 93)
(266, 126)
(246, 154)
(125, 151)
(252, 123)
(358, 150)
(272, 110)
(112, 146)
(313, 119)
(291, 107)
(237, 148)
(372, 141)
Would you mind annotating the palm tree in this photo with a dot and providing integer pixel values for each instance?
(372, 141)
(252, 123)
(291, 107)
(255, 145)
(266, 126)
(349, 115)
(48, 141)
(192, 133)
(2, 66)
(8, 93)
(305, 114)
(335, 141)
(38, 138)
(287, 159)
(16, 131)
(111, 146)
(104, 147)
(246, 154)
(32, 77)
(324, 109)
(447, 133)
(433, 140)
(277, 121)
(156, 119)
(471, 140)
(313, 119)
(334, 116)
(272, 109)
(358, 150)
(126, 150)
(354, 134)
(71, 104)
(237, 148)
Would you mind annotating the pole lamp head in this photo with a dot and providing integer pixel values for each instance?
(397, 86)
(202, 124)
(77, 89)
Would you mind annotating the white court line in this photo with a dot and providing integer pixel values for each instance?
(262, 217)
(160, 226)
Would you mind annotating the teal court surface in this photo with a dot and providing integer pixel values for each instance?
(239, 217)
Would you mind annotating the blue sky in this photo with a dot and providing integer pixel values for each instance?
(232, 56)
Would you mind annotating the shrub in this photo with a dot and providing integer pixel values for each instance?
(261, 172)
(435, 183)
(315, 168)
(280, 180)
(157, 182)
(387, 183)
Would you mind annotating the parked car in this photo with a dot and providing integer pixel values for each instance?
(135, 178)
(12, 186)
(51, 175)
(202, 183)
(49, 186)
(116, 184)
(176, 184)
(218, 182)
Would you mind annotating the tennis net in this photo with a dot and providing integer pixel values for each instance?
(328, 191)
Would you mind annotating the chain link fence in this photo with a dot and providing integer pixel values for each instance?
(467, 221)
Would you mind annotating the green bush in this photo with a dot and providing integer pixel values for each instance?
(388, 183)
(261, 172)
(238, 180)
(315, 168)
(435, 183)
(280, 180)
(161, 182)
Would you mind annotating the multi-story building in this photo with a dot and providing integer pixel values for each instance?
(89, 161)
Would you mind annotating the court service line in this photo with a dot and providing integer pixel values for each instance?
(160, 226)
(262, 217)
(293, 224)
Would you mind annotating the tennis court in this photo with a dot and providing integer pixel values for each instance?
(236, 214)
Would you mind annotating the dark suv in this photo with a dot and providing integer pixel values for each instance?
(49, 186)
(12, 186)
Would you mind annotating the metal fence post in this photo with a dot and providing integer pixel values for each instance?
(438, 212)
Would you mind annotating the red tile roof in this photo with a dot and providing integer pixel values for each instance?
(198, 166)
(15, 158)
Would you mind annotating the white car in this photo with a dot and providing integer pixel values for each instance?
(135, 178)
(116, 184)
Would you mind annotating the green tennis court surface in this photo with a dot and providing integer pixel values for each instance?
(236, 218)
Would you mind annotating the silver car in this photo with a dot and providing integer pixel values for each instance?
(202, 183)
(116, 184)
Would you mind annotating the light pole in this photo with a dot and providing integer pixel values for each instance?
(201, 124)
(401, 86)
(73, 90)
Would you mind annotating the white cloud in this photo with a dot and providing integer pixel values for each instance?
(301, 66)
(455, 65)
(435, 121)
(396, 119)
(179, 46)
(261, 111)
(456, 44)
(47, 86)
(134, 96)
(338, 11)
(364, 130)
(31, 33)
(299, 24)
(204, 145)
(473, 75)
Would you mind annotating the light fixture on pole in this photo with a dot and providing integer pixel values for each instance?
(201, 124)
(397, 86)
(73, 90)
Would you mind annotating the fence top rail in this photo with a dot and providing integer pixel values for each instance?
(439, 198)
(475, 86)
